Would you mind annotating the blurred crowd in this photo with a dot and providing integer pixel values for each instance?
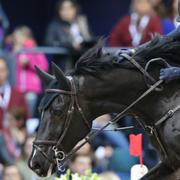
(21, 89)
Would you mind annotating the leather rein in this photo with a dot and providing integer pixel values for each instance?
(61, 158)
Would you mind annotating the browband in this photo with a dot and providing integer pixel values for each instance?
(60, 91)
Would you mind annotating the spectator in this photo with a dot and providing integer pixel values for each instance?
(27, 174)
(117, 139)
(170, 23)
(4, 25)
(11, 173)
(159, 8)
(18, 119)
(111, 149)
(80, 164)
(173, 12)
(84, 150)
(27, 81)
(10, 97)
(137, 28)
(68, 29)
(12, 137)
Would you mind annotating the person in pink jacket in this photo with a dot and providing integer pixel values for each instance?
(27, 81)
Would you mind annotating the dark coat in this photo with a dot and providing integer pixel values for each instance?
(58, 32)
(120, 36)
(16, 100)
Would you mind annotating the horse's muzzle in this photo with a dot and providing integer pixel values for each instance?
(41, 167)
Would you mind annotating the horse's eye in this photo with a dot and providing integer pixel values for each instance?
(57, 107)
(56, 111)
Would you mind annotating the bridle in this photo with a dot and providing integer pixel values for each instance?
(60, 155)
(61, 158)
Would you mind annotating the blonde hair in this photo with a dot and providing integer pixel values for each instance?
(25, 31)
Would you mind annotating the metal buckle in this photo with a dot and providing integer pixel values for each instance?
(60, 156)
(150, 130)
(170, 113)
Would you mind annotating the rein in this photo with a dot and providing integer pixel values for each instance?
(61, 159)
(92, 135)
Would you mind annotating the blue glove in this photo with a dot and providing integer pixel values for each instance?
(170, 74)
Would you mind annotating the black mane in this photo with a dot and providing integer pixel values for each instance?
(94, 61)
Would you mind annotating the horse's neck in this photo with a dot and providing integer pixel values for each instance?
(112, 92)
(119, 88)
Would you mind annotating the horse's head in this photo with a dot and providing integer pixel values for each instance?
(58, 132)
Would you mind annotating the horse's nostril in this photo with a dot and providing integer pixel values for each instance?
(36, 166)
(37, 169)
(38, 172)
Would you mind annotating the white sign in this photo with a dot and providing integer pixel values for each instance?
(137, 172)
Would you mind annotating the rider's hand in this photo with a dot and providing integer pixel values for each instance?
(169, 74)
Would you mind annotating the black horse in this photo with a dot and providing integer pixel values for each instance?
(105, 83)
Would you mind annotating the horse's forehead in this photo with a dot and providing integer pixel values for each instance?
(47, 100)
(49, 97)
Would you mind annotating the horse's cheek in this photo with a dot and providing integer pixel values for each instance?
(171, 135)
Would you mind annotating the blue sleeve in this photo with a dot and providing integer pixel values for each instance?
(167, 26)
(118, 139)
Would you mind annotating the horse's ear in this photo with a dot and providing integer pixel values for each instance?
(45, 77)
(61, 78)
